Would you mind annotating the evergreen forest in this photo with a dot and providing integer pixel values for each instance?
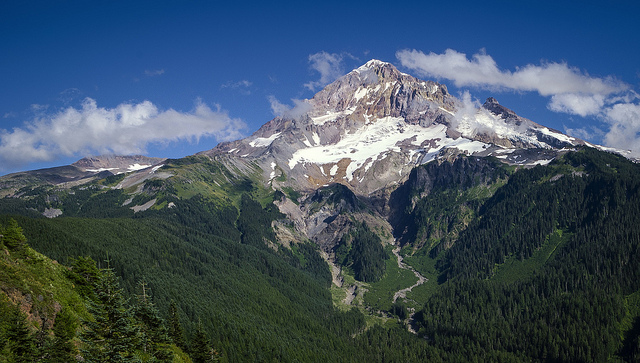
(520, 264)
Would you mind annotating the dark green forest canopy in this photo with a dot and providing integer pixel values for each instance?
(529, 264)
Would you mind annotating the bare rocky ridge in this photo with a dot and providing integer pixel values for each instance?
(81, 172)
(116, 164)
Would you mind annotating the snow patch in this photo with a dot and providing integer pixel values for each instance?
(155, 168)
(100, 170)
(447, 111)
(331, 116)
(306, 141)
(557, 135)
(264, 141)
(541, 162)
(273, 171)
(360, 93)
(137, 166)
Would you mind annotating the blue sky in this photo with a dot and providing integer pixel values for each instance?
(169, 78)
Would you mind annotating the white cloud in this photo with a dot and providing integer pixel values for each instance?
(300, 107)
(277, 108)
(466, 112)
(577, 104)
(585, 133)
(482, 71)
(329, 65)
(125, 129)
(570, 90)
(625, 127)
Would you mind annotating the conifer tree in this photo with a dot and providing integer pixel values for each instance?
(154, 339)
(176, 332)
(61, 348)
(84, 274)
(201, 351)
(12, 236)
(111, 336)
(20, 340)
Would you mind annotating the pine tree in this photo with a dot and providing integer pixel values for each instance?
(20, 341)
(154, 339)
(84, 274)
(201, 351)
(176, 332)
(61, 348)
(11, 235)
(111, 336)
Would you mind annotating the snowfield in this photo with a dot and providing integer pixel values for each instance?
(373, 140)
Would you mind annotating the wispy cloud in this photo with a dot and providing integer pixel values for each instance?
(241, 86)
(577, 103)
(300, 107)
(69, 95)
(624, 119)
(569, 89)
(329, 65)
(125, 129)
(153, 72)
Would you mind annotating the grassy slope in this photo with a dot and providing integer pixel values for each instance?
(38, 284)
(517, 270)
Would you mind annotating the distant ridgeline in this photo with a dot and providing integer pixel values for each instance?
(534, 263)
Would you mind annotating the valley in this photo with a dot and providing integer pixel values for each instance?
(421, 279)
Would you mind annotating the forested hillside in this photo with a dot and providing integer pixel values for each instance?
(521, 264)
(549, 267)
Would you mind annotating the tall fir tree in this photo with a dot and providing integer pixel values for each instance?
(201, 351)
(154, 339)
(61, 349)
(176, 332)
(11, 236)
(111, 335)
(21, 342)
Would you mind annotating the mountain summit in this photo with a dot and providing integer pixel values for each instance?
(369, 128)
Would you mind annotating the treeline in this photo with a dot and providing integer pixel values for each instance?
(438, 200)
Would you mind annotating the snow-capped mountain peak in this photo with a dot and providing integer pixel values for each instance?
(369, 128)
